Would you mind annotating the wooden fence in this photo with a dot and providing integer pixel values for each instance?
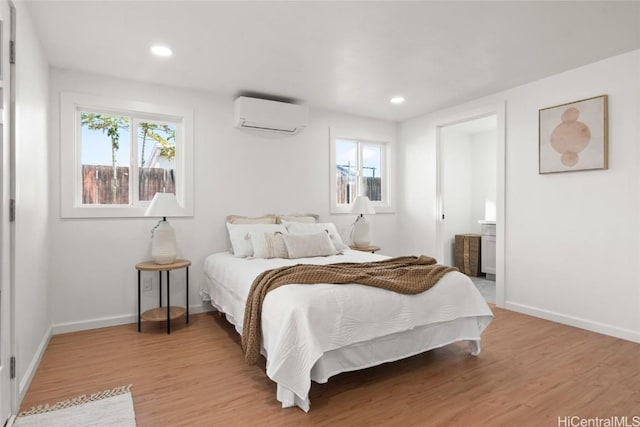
(372, 188)
(99, 187)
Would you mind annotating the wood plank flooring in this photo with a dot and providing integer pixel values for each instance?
(530, 372)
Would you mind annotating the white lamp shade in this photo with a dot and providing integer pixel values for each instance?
(362, 205)
(163, 205)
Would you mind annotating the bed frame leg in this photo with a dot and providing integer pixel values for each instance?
(474, 347)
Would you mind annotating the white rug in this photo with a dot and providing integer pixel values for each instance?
(108, 408)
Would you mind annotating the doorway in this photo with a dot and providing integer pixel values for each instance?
(469, 179)
(470, 193)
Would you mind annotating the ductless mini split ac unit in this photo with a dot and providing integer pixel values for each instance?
(270, 116)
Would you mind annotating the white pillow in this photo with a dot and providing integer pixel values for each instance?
(312, 218)
(329, 227)
(240, 239)
(268, 245)
(239, 219)
(309, 245)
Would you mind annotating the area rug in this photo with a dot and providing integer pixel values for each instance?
(108, 408)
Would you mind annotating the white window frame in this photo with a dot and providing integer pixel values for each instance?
(71, 104)
(386, 204)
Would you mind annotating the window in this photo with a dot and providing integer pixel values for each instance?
(116, 155)
(359, 168)
(125, 161)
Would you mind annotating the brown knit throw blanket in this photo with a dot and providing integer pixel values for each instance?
(406, 275)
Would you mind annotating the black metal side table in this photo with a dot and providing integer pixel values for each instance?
(172, 312)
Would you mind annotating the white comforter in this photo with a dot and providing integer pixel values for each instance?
(301, 322)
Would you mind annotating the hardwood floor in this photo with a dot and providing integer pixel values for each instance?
(530, 372)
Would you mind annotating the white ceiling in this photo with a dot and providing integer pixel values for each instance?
(350, 57)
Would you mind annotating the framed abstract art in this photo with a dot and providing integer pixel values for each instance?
(574, 136)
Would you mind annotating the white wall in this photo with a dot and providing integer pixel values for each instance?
(572, 239)
(456, 189)
(236, 172)
(483, 170)
(32, 250)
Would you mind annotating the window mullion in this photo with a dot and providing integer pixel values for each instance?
(135, 175)
(359, 176)
(177, 164)
(384, 177)
(77, 152)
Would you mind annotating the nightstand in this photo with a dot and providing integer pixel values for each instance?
(158, 314)
(371, 248)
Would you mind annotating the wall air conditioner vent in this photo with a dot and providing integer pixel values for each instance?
(270, 116)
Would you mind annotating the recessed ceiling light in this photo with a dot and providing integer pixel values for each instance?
(160, 50)
(397, 100)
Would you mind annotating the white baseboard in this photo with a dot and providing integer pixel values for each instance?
(103, 322)
(589, 325)
(25, 381)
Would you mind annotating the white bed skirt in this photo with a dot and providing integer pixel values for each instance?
(363, 354)
(387, 349)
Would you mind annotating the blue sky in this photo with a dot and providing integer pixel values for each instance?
(96, 148)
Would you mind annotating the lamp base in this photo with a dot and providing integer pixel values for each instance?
(163, 243)
(361, 237)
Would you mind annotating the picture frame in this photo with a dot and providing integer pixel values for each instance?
(574, 136)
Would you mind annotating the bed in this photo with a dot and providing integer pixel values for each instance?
(311, 333)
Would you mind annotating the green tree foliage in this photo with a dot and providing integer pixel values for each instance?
(111, 125)
(163, 135)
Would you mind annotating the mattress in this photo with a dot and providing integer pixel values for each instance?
(311, 332)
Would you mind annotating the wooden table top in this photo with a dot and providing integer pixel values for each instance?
(152, 266)
(370, 248)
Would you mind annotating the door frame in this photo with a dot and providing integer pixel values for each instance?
(7, 194)
(465, 115)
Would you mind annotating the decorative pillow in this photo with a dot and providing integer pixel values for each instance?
(240, 239)
(311, 218)
(238, 219)
(268, 245)
(309, 245)
(329, 227)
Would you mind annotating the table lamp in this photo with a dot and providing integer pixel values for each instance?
(163, 237)
(362, 205)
